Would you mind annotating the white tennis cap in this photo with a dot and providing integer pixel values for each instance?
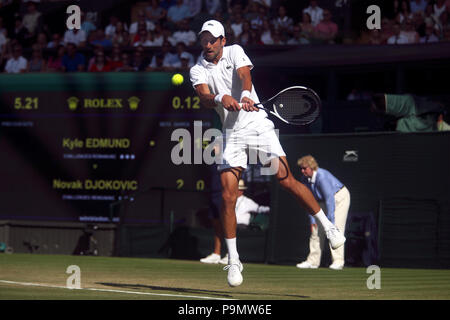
(215, 27)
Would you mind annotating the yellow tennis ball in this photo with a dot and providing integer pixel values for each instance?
(177, 79)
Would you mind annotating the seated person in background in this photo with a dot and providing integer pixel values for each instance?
(126, 65)
(245, 208)
(100, 64)
(314, 11)
(183, 34)
(141, 21)
(409, 32)
(54, 63)
(397, 37)
(75, 36)
(326, 30)
(37, 62)
(177, 13)
(430, 35)
(17, 63)
(411, 113)
(73, 61)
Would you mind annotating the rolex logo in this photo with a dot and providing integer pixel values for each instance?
(133, 102)
(73, 103)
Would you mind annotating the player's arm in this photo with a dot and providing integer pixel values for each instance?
(210, 100)
(246, 80)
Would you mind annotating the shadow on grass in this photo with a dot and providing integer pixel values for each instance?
(222, 294)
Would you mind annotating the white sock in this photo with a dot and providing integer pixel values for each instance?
(326, 224)
(232, 249)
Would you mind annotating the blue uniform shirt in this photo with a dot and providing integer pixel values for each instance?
(324, 186)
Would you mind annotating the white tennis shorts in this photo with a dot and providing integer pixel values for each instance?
(254, 144)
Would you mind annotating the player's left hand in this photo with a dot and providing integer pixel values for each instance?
(248, 104)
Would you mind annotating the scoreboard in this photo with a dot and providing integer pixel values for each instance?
(73, 146)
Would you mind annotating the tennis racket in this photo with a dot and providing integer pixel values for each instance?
(296, 105)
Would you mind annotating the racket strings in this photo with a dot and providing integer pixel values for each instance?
(300, 107)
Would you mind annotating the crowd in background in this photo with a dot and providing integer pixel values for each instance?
(170, 28)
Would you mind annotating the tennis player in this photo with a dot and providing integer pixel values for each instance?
(222, 80)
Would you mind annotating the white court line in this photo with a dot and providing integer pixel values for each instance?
(110, 290)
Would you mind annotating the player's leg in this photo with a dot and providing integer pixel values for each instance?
(230, 180)
(306, 199)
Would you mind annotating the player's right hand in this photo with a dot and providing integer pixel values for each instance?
(230, 103)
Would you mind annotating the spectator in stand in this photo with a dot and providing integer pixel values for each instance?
(297, 36)
(17, 63)
(251, 11)
(41, 39)
(115, 61)
(417, 5)
(267, 32)
(100, 64)
(176, 14)
(158, 63)
(99, 38)
(73, 61)
(443, 21)
(282, 22)
(140, 61)
(278, 38)
(386, 30)
(56, 41)
(375, 37)
(438, 8)
(181, 51)
(169, 60)
(126, 64)
(166, 4)
(75, 36)
(142, 21)
(429, 16)
(158, 35)
(213, 6)
(307, 26)
(397, 37)
(87, 25)
(114, 27)
(237, 24)
(326, 30)
(37, 62)
(195, 7)
(20, 33)
(155, 13)
(185, 64)
(3, 41)
(118, 36)
(257, 22)
(430, 35)
(409, 32)
(183, 34)
(405, 12)
(54, 63)
(2, 28)
(315, 12)
(446, 34)
(245, 37)
(32, 20)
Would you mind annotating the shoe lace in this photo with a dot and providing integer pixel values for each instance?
(230, 265)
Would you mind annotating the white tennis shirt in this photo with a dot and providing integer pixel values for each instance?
(223, 78)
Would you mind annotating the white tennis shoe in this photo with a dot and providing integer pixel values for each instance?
(224, 260)
(335, 237)
(234, 277)
(336, 266)
(213, 258)
(306, 265)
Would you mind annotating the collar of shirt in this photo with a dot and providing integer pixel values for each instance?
(313, 178)
(208, 64)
